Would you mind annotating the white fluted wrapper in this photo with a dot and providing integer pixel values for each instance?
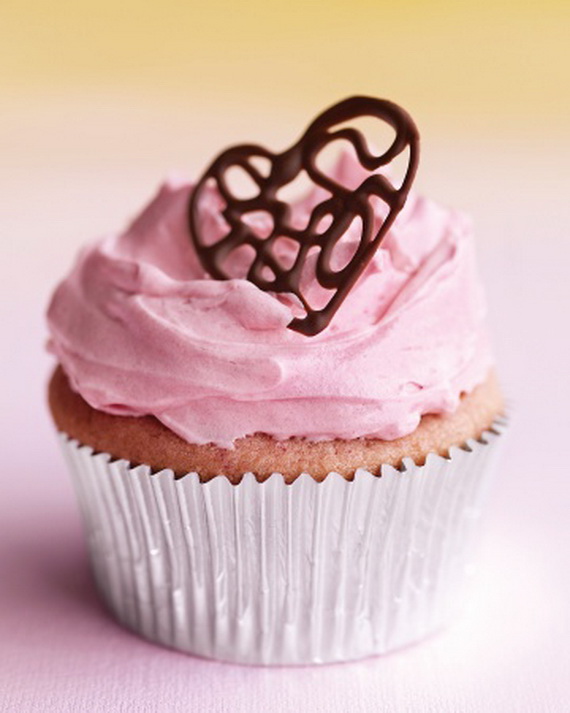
(271, 573)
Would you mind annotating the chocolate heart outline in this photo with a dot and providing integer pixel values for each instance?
(343, 205)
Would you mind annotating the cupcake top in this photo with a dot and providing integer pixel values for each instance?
(141, 329)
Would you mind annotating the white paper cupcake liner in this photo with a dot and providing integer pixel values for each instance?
(269, 573)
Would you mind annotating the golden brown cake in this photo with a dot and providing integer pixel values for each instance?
(145, 440)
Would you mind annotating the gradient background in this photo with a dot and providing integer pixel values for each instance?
(100, 101)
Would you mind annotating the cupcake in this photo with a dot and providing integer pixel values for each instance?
(281, 414)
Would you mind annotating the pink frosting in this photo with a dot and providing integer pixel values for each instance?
(140, 329)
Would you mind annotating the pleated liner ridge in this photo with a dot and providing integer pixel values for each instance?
(283, 574)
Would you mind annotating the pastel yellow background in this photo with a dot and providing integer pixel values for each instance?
(478, 63)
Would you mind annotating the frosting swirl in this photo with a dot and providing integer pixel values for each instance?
(140, 329)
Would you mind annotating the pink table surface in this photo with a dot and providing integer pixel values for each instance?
(60, 651)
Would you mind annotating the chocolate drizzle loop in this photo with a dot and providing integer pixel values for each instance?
(341, 207)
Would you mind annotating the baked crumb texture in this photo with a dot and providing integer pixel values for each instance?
(144, 440)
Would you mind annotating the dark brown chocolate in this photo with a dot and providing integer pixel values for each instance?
(341, 207)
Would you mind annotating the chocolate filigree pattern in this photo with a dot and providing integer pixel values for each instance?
(337, 211)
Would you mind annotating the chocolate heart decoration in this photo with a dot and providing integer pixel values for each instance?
(341, 207)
